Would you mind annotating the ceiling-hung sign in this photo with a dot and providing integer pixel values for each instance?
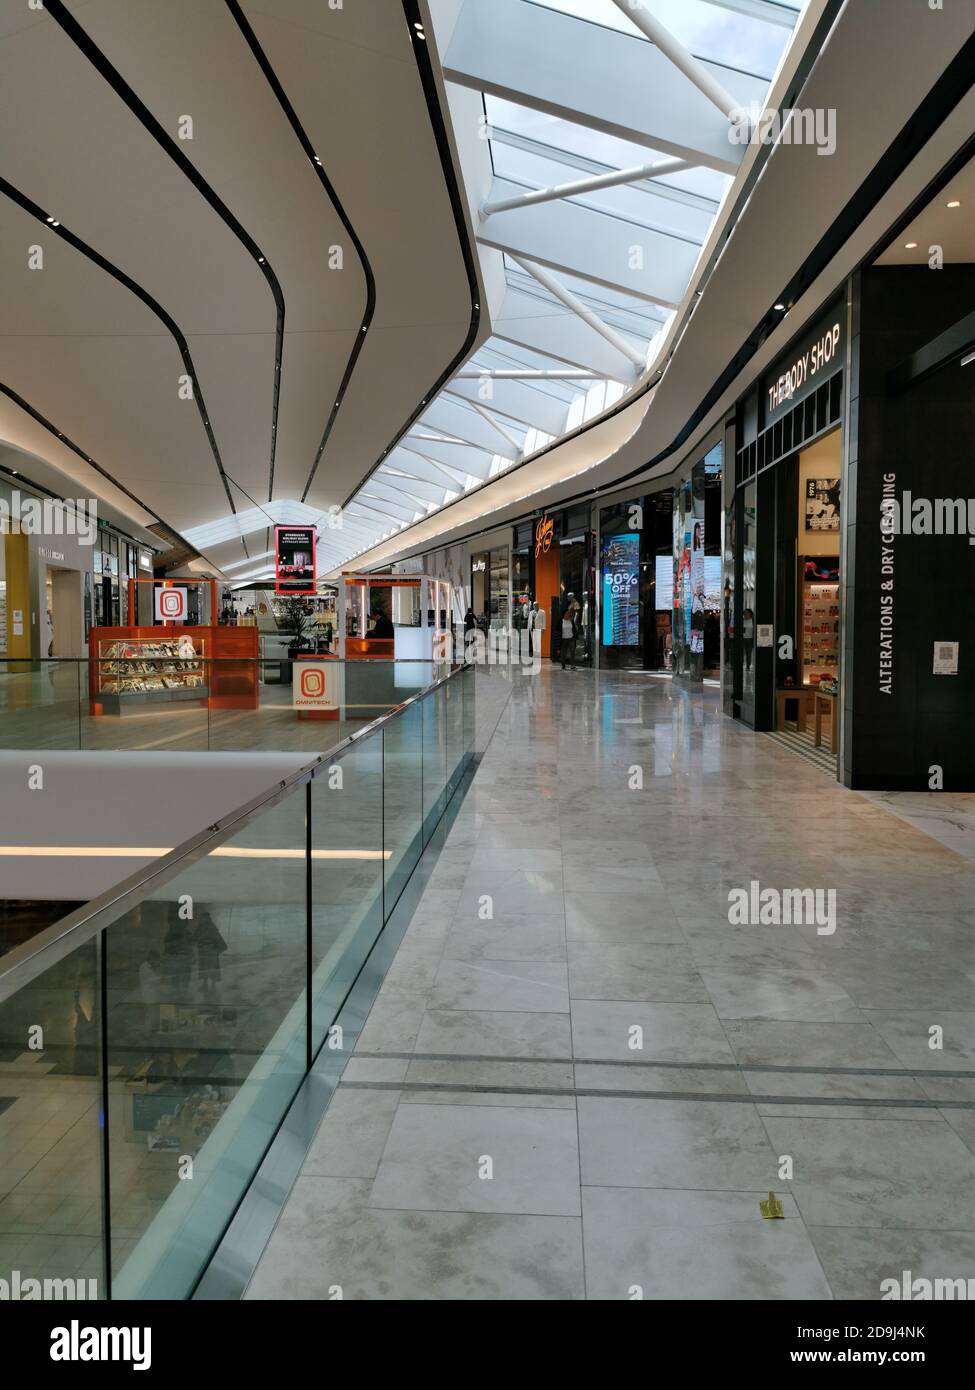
(294, 560)
(814, 358)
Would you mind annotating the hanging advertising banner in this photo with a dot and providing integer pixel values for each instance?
(621, 590)
(294, 560)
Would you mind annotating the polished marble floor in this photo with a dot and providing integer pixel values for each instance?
(579, 1079)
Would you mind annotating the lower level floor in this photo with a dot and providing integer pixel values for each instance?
(662, 969)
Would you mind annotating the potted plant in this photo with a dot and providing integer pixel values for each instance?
(294, 623)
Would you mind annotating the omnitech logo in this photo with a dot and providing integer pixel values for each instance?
(756, 906)
(35, 516)
(77, 1343)
(926, 1290)
(908, 515)
(17, 1289)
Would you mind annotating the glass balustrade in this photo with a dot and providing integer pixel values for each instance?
(152, 1042)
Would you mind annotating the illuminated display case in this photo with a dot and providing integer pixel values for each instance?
(139, 666)
(134, 671)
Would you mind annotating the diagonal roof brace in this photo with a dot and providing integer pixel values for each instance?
(638, 11)
(571, 301)
(491, 418)
(569, 190)
(769, 11)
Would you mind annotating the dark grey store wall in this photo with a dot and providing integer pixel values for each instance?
(926, 437)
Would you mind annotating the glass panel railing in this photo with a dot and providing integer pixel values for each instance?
(434, 760)
(346, 819)
(402, 799)
(40, 703)
(51, 1210)
(154, 1040)
(206, 1046)
(169, 704)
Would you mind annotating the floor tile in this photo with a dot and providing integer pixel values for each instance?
(436, 1158)
(674, 1143)
(328, 1240)
(686, 1246)
(623, 1031)
(523, 986)
(879, 1173)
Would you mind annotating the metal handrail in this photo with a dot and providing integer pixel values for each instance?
(62, 937)
(234, 660)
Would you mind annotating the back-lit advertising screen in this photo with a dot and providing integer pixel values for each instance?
(294, 559)
(620, 557)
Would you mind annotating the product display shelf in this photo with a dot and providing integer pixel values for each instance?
(137, 671)
(820, 632)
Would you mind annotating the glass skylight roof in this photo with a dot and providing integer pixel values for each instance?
(710, 31)
(592, 274)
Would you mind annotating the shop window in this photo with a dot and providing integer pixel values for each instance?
(835, 398)
(810, 418)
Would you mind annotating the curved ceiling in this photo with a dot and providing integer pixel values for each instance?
(249, 271)
(799, 225)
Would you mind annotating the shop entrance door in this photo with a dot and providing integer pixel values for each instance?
(65, 610)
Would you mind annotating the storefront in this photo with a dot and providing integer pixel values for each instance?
(697, 546)
(564, 578)
(781, 601)
(636, 583)
(490, 587)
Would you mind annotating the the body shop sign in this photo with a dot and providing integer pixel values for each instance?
(294, 550)
(806, 366)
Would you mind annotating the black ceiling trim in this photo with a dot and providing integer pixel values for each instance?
(63, 17)
(69, 443)
(59, 230)
(421, 53)
(313, 158)
(951, 87)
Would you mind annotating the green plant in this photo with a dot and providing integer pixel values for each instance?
(294, 621)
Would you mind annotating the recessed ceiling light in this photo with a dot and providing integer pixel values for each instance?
(955, 203)
(779, 307)
(910, 246)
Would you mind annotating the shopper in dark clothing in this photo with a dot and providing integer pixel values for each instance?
(177, 958)
(210, 946)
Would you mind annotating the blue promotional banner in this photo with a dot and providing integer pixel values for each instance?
(621, 590)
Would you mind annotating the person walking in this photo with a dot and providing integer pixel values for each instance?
(537, 622)
(570, 628)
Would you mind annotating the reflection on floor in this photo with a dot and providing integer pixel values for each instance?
(580, 1079)
(48, 708)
